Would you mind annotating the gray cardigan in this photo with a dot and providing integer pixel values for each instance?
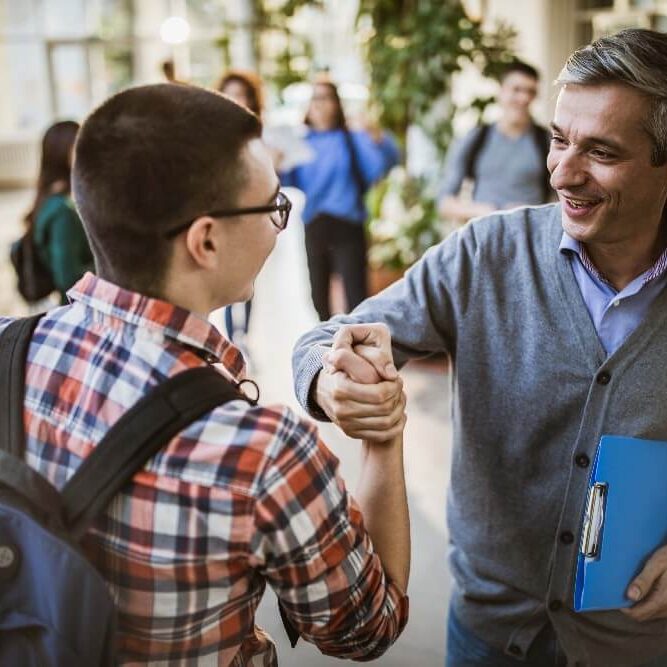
(533, 391)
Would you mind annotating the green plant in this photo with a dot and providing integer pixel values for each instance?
(413, 49)
(291, 62)
(403, 221)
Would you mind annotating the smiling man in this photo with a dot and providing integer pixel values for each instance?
(555, 319)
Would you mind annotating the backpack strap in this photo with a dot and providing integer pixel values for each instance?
(355, 167)
(137, 436)
(14, 344)
(475, 148)
(541, 137)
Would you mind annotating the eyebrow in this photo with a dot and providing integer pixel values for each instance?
(593, 140)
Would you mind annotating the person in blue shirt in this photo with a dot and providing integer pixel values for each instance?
(346, 163)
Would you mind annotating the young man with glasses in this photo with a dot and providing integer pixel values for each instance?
(181, 205)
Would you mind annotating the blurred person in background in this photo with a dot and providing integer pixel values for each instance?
(346, 164)
(57, 230)
(244, 88)
(505, 160)
(169, 70)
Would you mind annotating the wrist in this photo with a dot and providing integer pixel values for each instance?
(387, 448)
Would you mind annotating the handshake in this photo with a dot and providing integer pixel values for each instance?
(359, 387)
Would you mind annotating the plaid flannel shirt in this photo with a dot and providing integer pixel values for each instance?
(244, 496)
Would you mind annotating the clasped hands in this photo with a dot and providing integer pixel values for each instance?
(359, 387)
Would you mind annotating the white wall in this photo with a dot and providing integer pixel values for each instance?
(545, 39)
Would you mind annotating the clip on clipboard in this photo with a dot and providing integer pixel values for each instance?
(593, 520)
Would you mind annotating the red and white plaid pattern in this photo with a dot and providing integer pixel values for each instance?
(242, 497)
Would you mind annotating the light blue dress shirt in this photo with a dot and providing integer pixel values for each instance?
(615, 314)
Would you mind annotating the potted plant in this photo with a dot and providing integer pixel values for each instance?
(403, 223)
(413, 50)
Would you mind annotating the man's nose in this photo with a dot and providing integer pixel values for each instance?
(525, 98)
(567, 169)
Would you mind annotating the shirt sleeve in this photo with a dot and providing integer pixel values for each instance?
(375, 158)
(455, 166)
(313, 549)
(422, 311)
(289, 178)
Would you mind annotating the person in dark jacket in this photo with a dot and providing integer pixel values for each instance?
(57, 229)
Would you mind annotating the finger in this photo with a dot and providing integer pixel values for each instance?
(351, 409)
(378, 427)
(346, 390)
(384, 435)
(655, 566)
(654, 604)
(378, 358)
(376, 422)
(353, 365)
(374, 335)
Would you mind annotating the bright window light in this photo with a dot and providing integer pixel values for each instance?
(175, 30)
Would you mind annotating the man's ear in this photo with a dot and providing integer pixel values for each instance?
(202, 242)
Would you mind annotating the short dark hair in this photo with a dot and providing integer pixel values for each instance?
(521, 67)
(148, 159)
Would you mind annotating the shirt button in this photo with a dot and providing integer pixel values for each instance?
(514, 649)
(7, 557)
(617, 303)
(555, 605)
(582, 460)
(603, 378)
(566, 537)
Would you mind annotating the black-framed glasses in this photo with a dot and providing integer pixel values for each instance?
(281, 207)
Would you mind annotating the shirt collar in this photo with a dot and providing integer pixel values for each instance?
(568, 244)
(181, 325)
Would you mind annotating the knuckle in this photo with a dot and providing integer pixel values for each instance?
(336, 356)
(387, 393)
(381, 328)
(337, 393)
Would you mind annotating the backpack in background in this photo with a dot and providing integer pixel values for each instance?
(57, 610)
(542, 140)
(34, 279)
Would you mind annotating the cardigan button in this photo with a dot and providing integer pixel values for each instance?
(582, 460)
(603, 378)
(566, 537)
(514, 649)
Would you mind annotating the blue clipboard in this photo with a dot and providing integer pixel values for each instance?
(625, 520)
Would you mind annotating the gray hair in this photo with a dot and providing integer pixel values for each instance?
(637, 58)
